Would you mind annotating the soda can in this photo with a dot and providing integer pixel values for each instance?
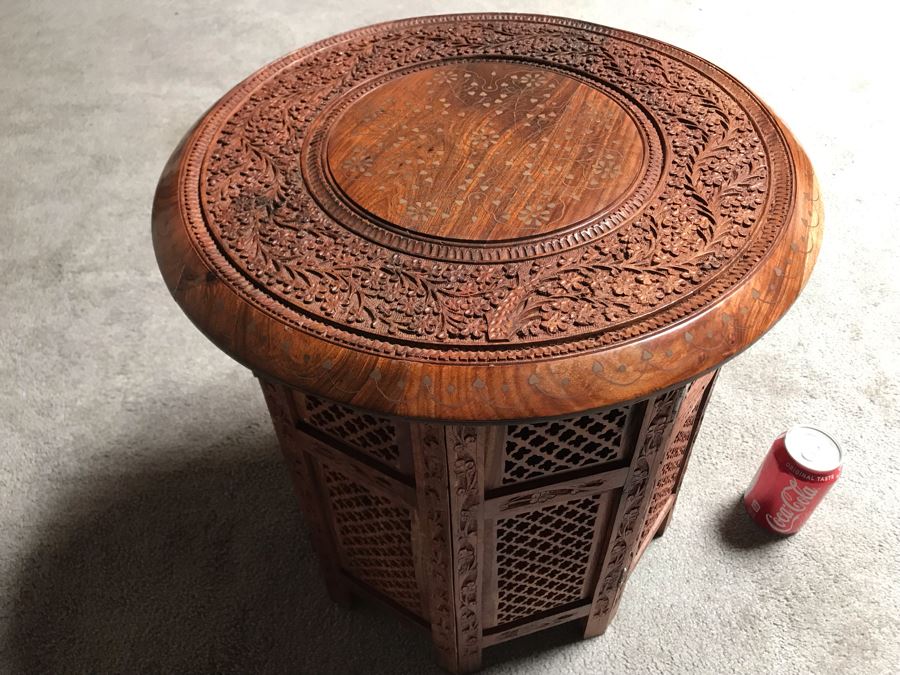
(801, 466)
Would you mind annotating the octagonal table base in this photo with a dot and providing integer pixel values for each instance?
(487, 532)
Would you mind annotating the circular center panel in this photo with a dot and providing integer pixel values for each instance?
(485, 151)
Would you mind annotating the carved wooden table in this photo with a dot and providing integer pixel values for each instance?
(485, 268)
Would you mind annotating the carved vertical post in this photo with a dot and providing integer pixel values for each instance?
(449, 467)
(655, 430)
(707, 383)
(429, 451)
(300, 464)
(465, 464)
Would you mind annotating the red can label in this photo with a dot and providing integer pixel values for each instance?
(799, 469)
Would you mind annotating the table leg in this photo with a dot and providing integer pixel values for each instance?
(665, 523)
(449, 468)
(302, 470)
(657, 426)
(688, 425)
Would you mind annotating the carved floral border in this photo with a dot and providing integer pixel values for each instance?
(599, 294)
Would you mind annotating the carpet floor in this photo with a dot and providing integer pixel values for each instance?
(146, 523)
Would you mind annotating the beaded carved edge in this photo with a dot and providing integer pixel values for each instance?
(323, 187)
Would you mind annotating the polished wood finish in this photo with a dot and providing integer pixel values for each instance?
(491, 151)
(266, 252)
(497, 530)
(486, 268)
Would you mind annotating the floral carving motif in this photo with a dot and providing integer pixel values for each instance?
(621, 550)
(520, 123)
(696, 229)
(466, 500)
(431, 483)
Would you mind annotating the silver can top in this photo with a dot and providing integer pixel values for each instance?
(812, 449)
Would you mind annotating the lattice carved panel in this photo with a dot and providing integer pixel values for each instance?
(374, 539)
(544, 448)
(374, 436)
(542, 558)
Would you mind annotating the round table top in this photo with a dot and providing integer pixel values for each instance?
(484, 217)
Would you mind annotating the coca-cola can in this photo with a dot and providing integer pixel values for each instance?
(801, 466)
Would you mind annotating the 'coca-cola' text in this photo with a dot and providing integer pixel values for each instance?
(795, 499)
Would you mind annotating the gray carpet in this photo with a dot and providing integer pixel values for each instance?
(146, 524)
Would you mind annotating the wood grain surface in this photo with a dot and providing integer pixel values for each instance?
(485, 150)
(492, 531)
(486, 268)
(312, 233)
